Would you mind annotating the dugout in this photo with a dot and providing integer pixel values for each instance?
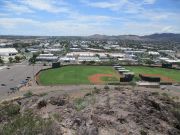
(167, 65)
(149, 78)
(56, 65)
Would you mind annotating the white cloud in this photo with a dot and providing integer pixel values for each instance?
(112, 5)
(127, 6)
(149, 1)
(80, 27)
(29, 6)
(167, 29)
(17, 8)
(130, 18)
(10, 23)
(46, 5)
(4, 14)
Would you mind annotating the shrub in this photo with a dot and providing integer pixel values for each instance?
(28, 94)
(96, 90)
(41, 104)
(88, 94)
(176, 113)
(11, 109)
(165, 94)
(142, 132)
(26, 124)
(80, 104)
(43, 94)
(155, 93)
(57, 117)
(106, 87)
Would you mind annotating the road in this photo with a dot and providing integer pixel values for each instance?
(13, 76)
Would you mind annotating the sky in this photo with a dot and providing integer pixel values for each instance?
(88, 17)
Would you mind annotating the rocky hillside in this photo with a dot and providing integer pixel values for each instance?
(119, 111)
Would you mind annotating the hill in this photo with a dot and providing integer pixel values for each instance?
(153, 37)
(100, 112)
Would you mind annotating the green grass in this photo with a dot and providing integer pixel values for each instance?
(171, 73)
(73, 74)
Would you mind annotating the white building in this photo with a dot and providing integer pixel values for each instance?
(153, 53)
(81, 59)
(47, 57)
(8, 51)
(167, 51)
(69, 59)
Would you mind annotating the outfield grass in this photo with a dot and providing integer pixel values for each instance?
(171, 73)
(74, 74)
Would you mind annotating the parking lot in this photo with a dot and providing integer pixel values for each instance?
(16, 76)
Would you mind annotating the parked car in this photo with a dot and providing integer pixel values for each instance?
(3, 84)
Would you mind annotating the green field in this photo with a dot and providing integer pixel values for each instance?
(75, 75)
(171, 73)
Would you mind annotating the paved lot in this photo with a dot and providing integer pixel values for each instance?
(15, 75)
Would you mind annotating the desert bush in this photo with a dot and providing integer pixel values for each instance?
(106, 87)
(26, 124)
(28, 94)
(43, 94)
(155, 93)
(142, 132)
(9, 109)
(57, 116)
(176, 113)
(96, 90)
(80, 104)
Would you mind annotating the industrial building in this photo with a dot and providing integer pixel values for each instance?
(47, 57)
(8, 51)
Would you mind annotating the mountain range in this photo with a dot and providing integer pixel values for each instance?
(153, 37)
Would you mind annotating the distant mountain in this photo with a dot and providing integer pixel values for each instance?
(153, 37)
(163, 36)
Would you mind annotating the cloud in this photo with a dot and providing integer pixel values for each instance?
(127, 6)
(112, 5)
(167, 29)
(81, 27)
(125, 17)
(31, 6)
(149, 1)
(17, 8)
(46, 5)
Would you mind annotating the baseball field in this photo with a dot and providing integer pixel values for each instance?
(78, 75)
(170, 75)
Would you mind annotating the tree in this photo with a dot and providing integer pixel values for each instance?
(32, 60)
(1, 60)
(97, 55)
(10, 60)
(149, 62)
(17, 59)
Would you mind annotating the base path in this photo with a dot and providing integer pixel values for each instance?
(96, 78)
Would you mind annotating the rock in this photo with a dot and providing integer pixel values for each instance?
(42, 103)
(59, 101)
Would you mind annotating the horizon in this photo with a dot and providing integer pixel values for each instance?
(85, 17)
(86, 35)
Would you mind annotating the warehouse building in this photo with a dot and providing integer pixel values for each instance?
(47, 57)
(88, 59)
(8, 51)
